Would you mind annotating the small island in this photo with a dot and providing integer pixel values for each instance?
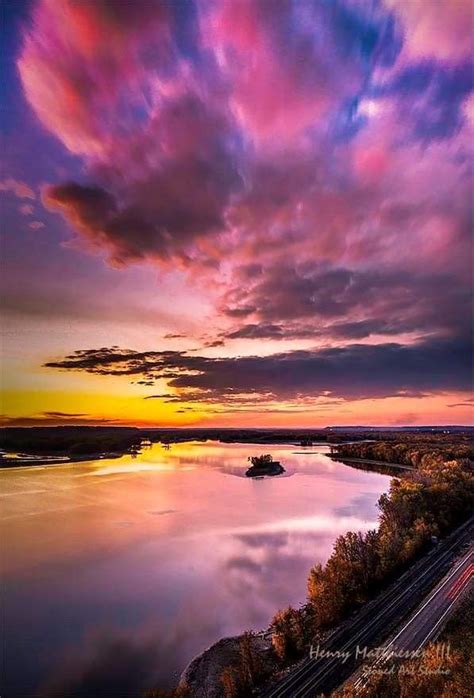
(264, 465)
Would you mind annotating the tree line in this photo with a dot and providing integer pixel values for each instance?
(416, 453)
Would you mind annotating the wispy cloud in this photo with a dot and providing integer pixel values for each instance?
(19, 189)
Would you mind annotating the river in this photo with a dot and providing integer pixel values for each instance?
(117, 572)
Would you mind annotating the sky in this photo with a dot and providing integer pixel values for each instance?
(237, 213)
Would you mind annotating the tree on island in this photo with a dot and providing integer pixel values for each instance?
(264, 465)
(260, 461)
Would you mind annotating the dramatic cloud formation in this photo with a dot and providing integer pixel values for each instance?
(172, 133)
(168, 204)
(310, 300)
(305, 166)
(352, 372)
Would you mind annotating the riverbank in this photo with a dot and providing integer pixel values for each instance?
(207, 672)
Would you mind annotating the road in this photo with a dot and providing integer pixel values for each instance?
(428, 620)
(373, 623)
(426, 623)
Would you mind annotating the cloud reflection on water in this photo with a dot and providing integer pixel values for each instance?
(162, 555)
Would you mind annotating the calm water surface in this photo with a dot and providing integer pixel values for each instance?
(123, 570)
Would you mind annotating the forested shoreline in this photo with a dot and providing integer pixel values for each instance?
(415, 452)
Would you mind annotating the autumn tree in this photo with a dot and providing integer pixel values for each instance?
(260, 461)
(229, 683)
(288, 633)
(250, 663)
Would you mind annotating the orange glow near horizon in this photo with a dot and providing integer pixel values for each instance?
(26, 408)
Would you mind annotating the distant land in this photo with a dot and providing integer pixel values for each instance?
(22, 446)
(427, 427)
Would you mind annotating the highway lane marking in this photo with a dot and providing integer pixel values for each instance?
(360, 681)
(432, 630)
(466, 575)
(435, 627)
(435, 593)
(464, 585)
(332, 663)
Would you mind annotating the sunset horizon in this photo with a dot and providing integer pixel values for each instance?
(191, 247)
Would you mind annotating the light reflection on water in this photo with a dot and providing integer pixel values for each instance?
(140, 563)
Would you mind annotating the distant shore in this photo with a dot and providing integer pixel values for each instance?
(41, 446)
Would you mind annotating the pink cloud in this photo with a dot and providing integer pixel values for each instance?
(267, 73)
(370, 163)
(36, 225)
(286, 139)
(20, 189)
(83, 62)
(163, 193)
(436, 27)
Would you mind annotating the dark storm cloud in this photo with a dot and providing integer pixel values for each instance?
(354, 371)
(309, 301)
(260, 331)
(169, 204)
(90, 206)
(272, 331)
